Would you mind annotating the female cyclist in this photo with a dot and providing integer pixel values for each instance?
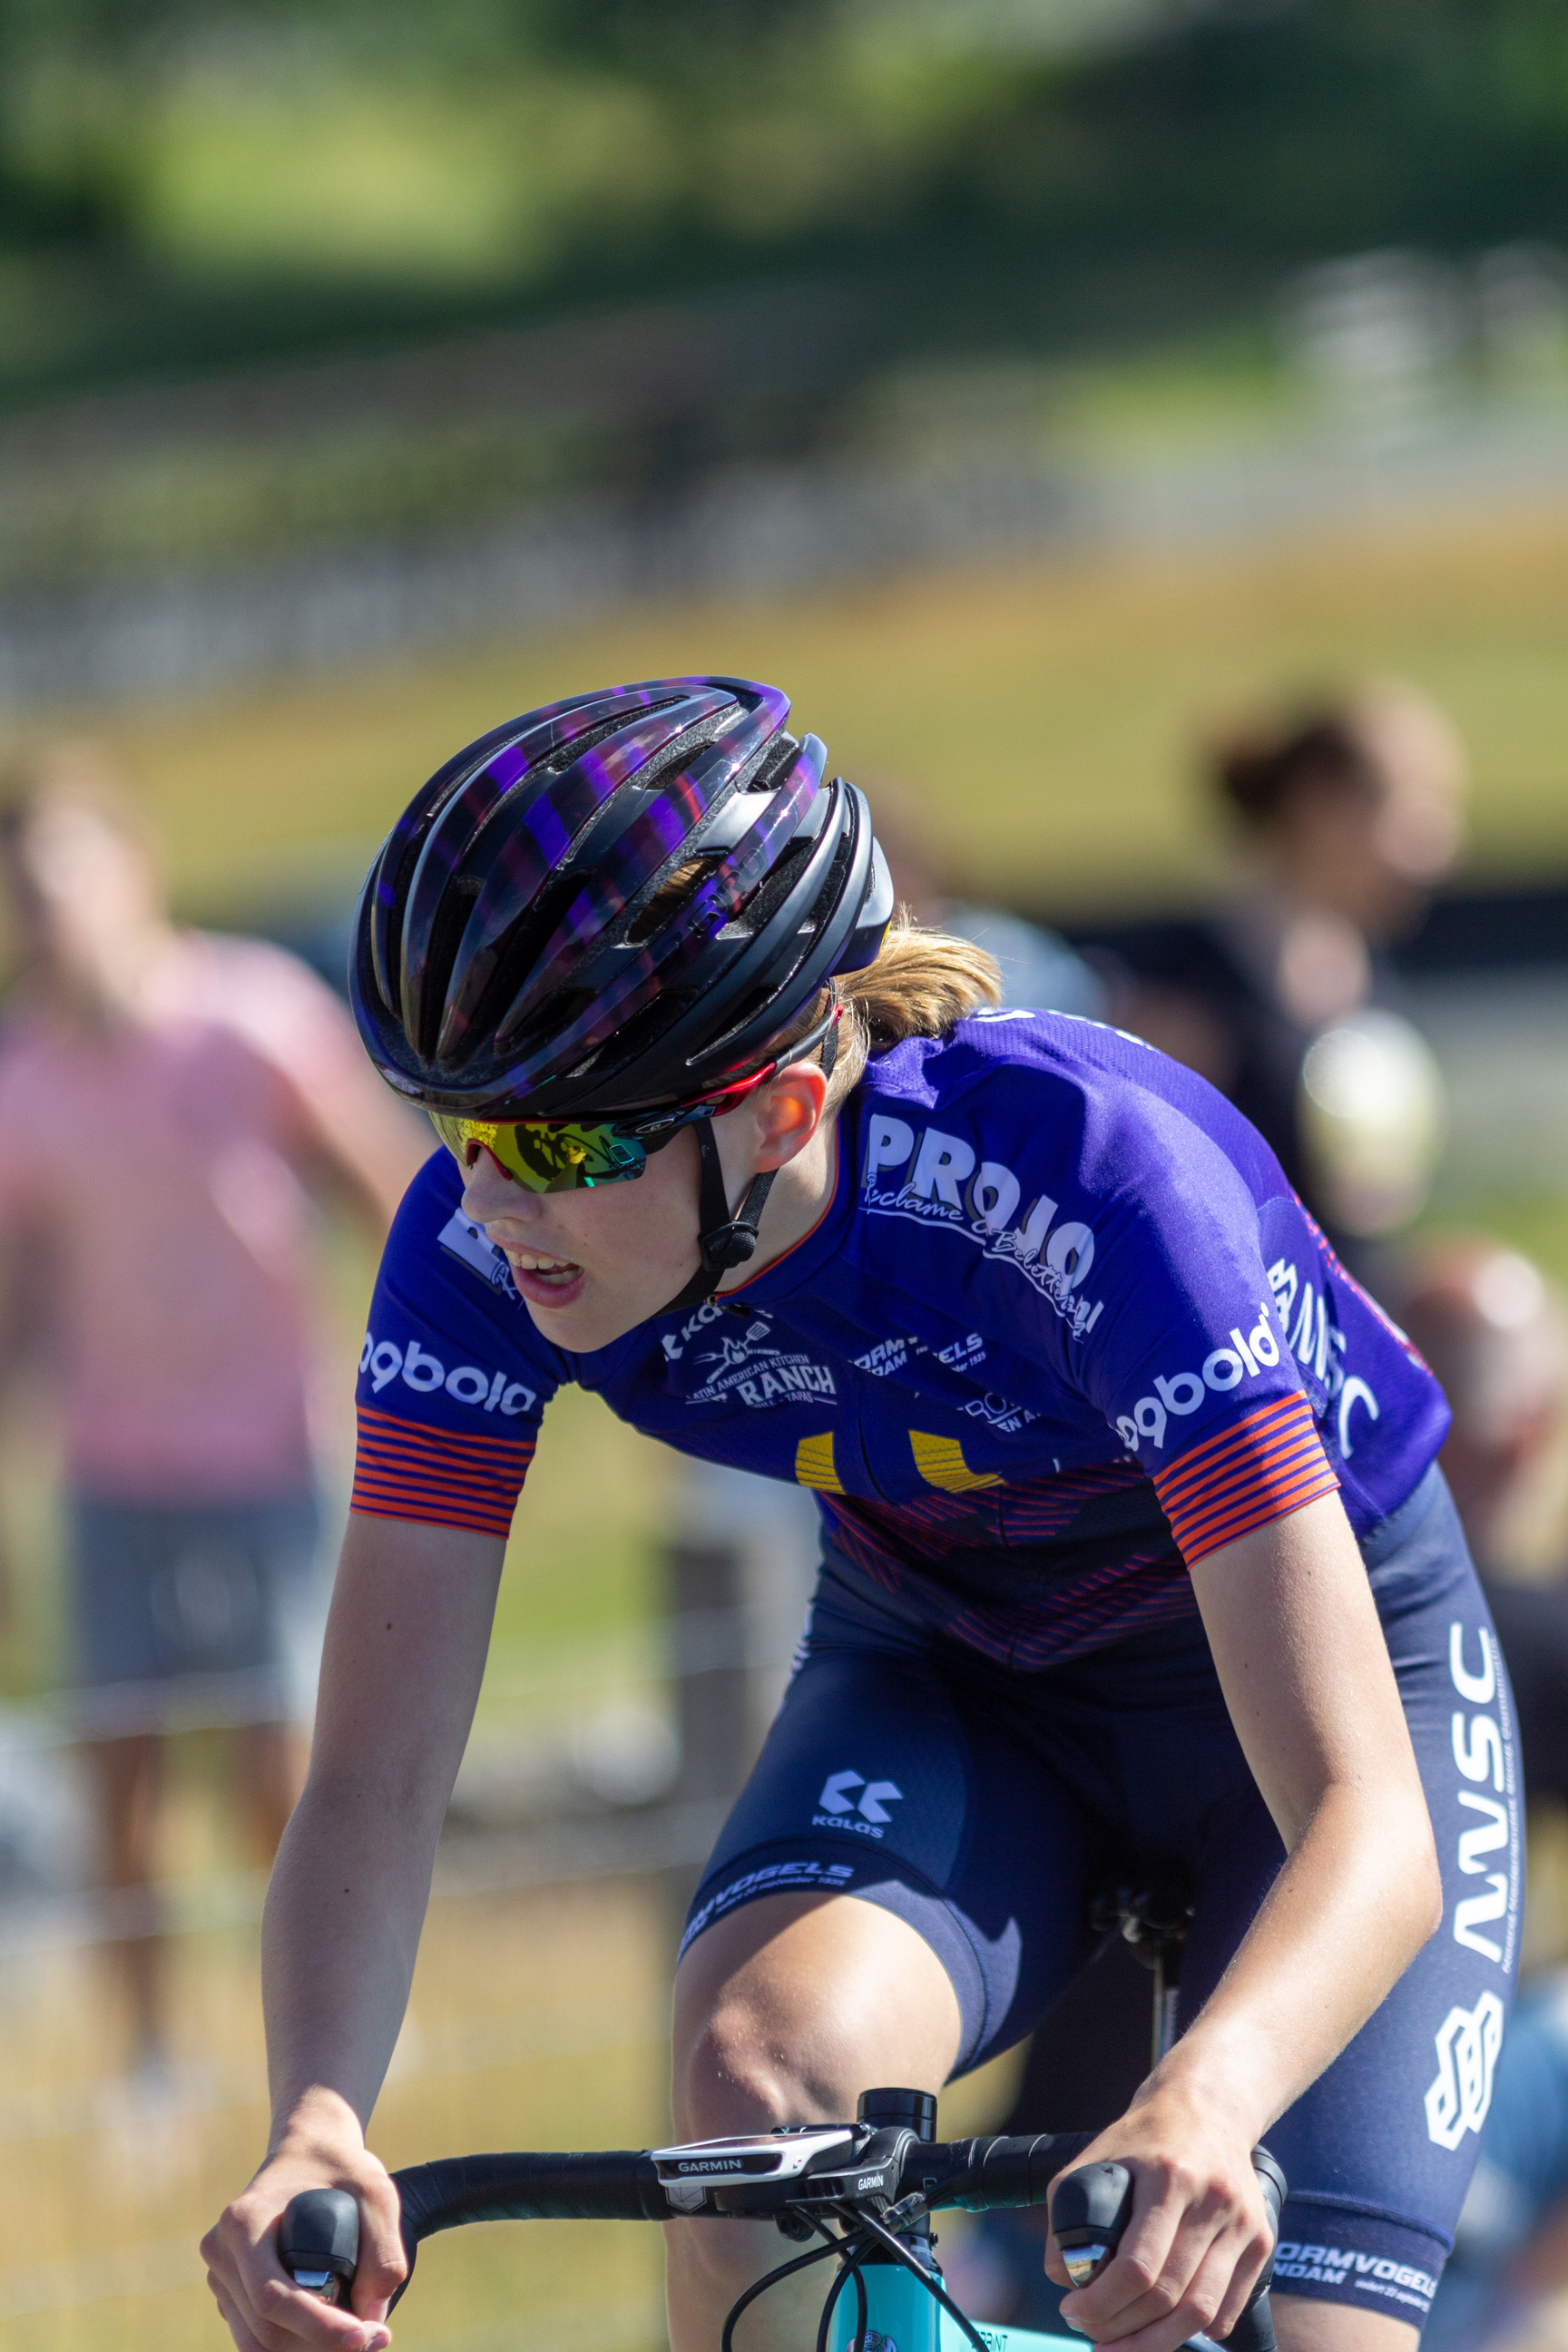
(1134, 1549)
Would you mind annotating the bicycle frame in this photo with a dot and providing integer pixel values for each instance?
(901, 2317)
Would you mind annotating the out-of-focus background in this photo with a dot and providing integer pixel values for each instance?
(1034, 388)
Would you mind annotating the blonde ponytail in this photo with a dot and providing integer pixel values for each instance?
(921, 983)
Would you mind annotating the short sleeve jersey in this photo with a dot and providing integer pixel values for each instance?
(1062, 1330)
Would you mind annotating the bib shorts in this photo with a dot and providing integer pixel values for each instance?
(980, 1804)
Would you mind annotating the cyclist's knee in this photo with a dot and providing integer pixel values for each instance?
(790, 2008)
(732, 2073)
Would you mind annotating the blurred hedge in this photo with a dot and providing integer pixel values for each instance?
(182, 182)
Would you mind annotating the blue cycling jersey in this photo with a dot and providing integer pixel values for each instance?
(1062, 1329)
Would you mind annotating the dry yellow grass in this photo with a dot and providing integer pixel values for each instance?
(1040, 717)
(538, 2021)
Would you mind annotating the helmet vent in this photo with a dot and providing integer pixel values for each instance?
(567, 755)
(673, 896)
(765, 902)
(445, 935)
(775, 764)
(519, 952)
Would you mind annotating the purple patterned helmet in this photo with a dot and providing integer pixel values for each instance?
(505, 959)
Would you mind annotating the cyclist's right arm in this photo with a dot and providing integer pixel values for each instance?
(406, 1649)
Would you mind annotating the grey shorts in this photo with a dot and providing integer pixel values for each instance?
(228, 1595)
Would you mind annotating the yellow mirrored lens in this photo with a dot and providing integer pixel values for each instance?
(544, 1157)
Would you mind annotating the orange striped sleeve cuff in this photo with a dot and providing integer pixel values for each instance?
(1255, 1471)
(403, 1470)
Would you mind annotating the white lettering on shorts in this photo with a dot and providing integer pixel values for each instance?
(1338, 2266)
(1482, 1758)
(1467, 2043)
(774, 1878)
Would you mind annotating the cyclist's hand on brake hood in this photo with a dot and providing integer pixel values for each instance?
(266, 2312)
(1198, 2237)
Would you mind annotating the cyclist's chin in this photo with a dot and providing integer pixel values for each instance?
(586, 1310)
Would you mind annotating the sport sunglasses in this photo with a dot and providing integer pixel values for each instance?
(547, 1155)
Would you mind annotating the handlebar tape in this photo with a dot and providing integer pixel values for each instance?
(617, 2185)
(984, 2175)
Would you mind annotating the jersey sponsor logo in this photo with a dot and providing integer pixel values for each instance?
(1482, 1758)
(748, 1365)
(1179, 1393)
(839, 1809)
(1318, 1344)
(1372, 2273)
(1467, 2043)
(789, 1380)
(382, 1361)
(947, 1184)
(465, 1240)
(772, 1379)
(892, 1355)
(732, 1351)
(998, 1413)
(675, 1343)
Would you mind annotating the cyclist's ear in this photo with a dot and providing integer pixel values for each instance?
(788, 1113)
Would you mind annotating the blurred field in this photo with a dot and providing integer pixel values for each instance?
(537, 2020)
(1041, 718)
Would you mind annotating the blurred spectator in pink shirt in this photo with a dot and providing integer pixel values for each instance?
(166, 1097)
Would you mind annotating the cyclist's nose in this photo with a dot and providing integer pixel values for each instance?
(490, 1197)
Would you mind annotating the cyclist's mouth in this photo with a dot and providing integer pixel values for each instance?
(547, 1281)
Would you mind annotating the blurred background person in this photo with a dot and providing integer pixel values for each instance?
(165, 1099)
(1348, 814)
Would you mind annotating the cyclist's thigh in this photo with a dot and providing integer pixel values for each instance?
(1379, 2151)
(887, 1779)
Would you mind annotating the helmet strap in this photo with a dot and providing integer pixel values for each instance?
(724, 1240)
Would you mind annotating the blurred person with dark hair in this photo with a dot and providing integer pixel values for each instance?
(1348, 814)
(1496, 1336)
(164, 1097)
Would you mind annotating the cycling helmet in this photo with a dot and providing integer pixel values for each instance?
(508, 961)
(504, 961)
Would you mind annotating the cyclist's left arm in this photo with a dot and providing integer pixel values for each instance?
(1306, 1675)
